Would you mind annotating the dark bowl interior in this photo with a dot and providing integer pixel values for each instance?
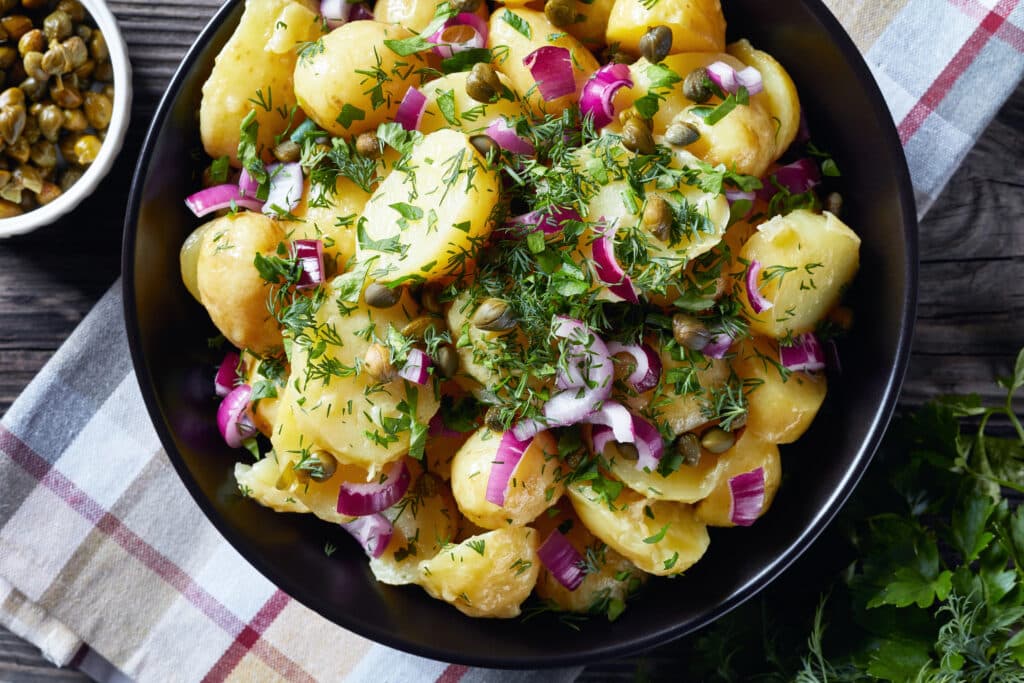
(168, 332)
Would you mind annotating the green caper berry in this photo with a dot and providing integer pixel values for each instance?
(368, 146)
(717, 440)
(430, 298)
(318, 466)
(492, 419)
(482, 84)
(656, 43)
(636, 136)
(286, 151)
(377, 363)
(682, 134)
(561, 13)
(447, 361)
(696, 88)
(493, 315)
(628, 451)
(381, 296)
(417, 327)
(658, 217)
(689, 332)
(487, 147)
(57, 25)
(688, 446)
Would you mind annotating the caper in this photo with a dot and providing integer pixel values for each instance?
(285, 151)
(83, 32)
(5, 176)
(16, 73)
(7, 56)
(20, 150)
(428, 485)
(56, 60)
(492, 419)
(381, 296)
(688, 446)
(12, 96)
(430, 298)
(659, 217)
(44, 154)
(656, 43)
(108, 90)
(628, 451)
(28, 201)
(418, 327)
(84, 71)
(487, 147)
(614, 54)
(74, 9)
(319, 466)
(681, 134)
(447, 360)
(31, 132)
(717, 440)
(16, 25)
(468, 6)
(57, 25)
(377, 363)
(834, 203)
(561, 13)
(33, 4)
(33, 41)
(50, 119)
(48, 193)
(636, 136)
(31, 178)
(482, 84)
(75, 120)
(12, 190)
(104, 71)
(9, 209)
(690, 332)
(33, 88)
(368, 146)
(70, 176)
(12, 122)
(696, 86)
(86, 149)
(493, 315)
(78, 53)
(33, 63)
(7, 5)
(66, 96)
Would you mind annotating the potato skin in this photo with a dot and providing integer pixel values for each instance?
(242, 66)
(325, 80)
(230, 287)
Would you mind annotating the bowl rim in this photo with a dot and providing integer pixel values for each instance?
(47, 214)
(628, 646)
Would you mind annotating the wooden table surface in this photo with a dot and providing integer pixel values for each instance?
(969, 324)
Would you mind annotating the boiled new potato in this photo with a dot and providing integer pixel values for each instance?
(414, 15)
(539, 32)
(330, 217)
(779, 96)
(807, 260)
(591, 22)
(489, 575)
(429, 216)
(246, 64)
(260, 482)
(339, 405)
(659, 537)
(468, 115)
(609, 576)
(534, 486)
(478, 350)
(688, 484)
(353, 81)
(697, 25)
(230, 287)
(257, 369)
(423, 522)
(747, 455)
(782, 404)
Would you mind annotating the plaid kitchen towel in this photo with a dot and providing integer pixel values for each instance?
(108, 565)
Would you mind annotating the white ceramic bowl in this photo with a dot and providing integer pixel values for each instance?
(44, 215)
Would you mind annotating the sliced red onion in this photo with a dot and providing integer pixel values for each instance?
(805, 355)
(360, 12)
(233, 416)
(615, 417)
(648, 365)
(644, 436)
(797, 177)
(747, 502)
(416, 368)
(372, 531)
(550, 220)
(562, 560)
(463, 32)
(358, 499)
(551, 68)
(285, 188)
(227, 373)
(718, 345)
(510, 452)
(610, 272)
(247, 185)
(310, 256)
(220, 197)
(335, 12)
(730, 80)
(410, 109)
(507, 138)
(757, 301)
(601, 436)
(738, 195)
(599, 91)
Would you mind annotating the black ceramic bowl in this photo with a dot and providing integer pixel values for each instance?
(167, 330)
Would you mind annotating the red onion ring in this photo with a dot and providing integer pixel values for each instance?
(550, 220)
(310, 256)
(335, 12)
(562, 560)
(757, 301)
(410, 109)
(551, 68)
(506, 459)
(616, 417)
(247, 185)
(644, 436)
(507, 138)
(718, 345)
(359, 499)
(609, 271)
(806, 354)
(286, 188)
(447, 48)
(233, 419)
(219, 197)
(416, 368)
(747, 497)
(599, 93)
(373, 532)
(797, 177)
(648, 365)
(730, 80)
(227, 374)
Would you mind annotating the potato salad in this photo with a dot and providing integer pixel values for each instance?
(524, 297)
